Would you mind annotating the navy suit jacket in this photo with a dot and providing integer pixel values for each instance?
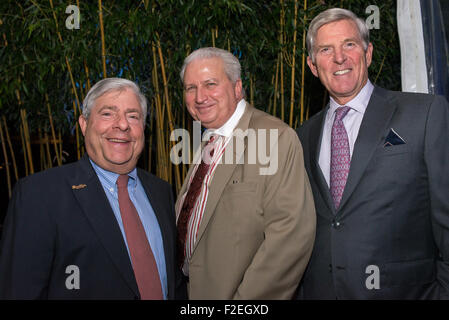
(50, 225)
(393, 220)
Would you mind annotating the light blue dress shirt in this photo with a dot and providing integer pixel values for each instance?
(146, 213)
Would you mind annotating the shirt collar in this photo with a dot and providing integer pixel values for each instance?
(109, 178)
(229, 126)
(358, 103)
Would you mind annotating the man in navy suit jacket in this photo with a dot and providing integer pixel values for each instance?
(64, 237)
(385, 234)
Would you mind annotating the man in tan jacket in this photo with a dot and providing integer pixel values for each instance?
(245, 214)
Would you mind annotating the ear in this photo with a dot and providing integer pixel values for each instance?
(369, 54)
(312, 66)
(238, 89)
(83, 124)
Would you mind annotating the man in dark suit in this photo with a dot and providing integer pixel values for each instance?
(378, 165)
(99, 228)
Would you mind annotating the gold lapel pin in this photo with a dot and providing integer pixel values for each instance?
(80, 186)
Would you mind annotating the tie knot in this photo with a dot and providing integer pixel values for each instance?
(211, 138)
(122, 181)
(341, 112)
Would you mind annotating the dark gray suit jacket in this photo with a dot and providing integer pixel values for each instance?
(51, 225)
(394, 213)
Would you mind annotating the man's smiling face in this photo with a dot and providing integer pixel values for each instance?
(114, 132)
(341, 62)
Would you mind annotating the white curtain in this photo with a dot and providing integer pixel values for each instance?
(411, 39)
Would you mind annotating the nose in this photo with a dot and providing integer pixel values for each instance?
(121, 122)
(200, 96)
(339, 56)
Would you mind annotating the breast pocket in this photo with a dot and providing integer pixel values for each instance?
(392, 150)
(392, 166)
(236, 186)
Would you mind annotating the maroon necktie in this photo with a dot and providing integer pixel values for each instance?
(340, 156)
(191, 198)
(143, 262)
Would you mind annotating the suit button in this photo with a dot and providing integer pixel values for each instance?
(336, 224)
(330, 267)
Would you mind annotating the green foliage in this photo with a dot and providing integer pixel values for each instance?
(33, 62)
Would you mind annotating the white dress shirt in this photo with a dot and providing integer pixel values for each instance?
(351, 121)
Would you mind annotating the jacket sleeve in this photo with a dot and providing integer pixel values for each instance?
(436, 156)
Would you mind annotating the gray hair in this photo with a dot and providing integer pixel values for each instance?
(112, 84)
(332, 15)
(231, 64)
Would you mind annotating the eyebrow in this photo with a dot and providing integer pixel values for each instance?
(115, 108)
(344, 41)
(187, 85)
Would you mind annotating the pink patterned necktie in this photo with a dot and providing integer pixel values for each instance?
(340, 156)
(142, 258)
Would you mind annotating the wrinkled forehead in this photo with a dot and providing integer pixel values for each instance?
(343, 28)
(212, 66)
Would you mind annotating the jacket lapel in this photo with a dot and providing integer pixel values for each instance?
(315, 138)
(223, 173)
(95, 205)
(377, 116)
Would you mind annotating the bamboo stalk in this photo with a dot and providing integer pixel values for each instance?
(308, 108)
(47, 149)
(77, 133)
(303, 64)
(86, 70)
(276, 86)
(270, 103)
(150, 138)
(25, 161)
(73, 83)
(292, 88)
(5, 155)
(281, 40)
(26, 134)
(381, 66)
(11, 150)
(56, 21)
(103, 52)
(161, 168)
(169, 113)
(52, 130)
(60, 145)
(251, 89)
(43, 160)
(66, 58)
